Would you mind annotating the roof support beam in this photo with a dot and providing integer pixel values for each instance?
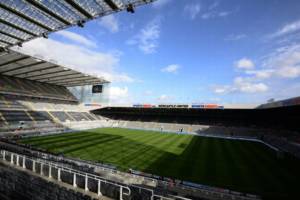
(17, 27)
(49, 73)
(12, 61)
(78, 83)
(63, 75)
(67, 78)
(79, 8)
(76, 79)
(12, 36)
(49, 12)
(36, 70)
(5, 42)
(111, 4)
(21, 67)
(31, 20)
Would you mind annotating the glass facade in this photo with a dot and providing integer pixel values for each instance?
(85, 95)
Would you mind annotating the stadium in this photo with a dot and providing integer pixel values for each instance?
(59, 139)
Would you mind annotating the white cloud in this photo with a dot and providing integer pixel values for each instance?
(241, 85)
(192, 10)
(244, 63)
(222, 89)
(247, 86)
(148, 92)
(261, 74)
(116, 93)
(224, 13)
(214, 5)
(213, 12)
(164, 98)
(289, 72)
(233, 37)
(119, 96)
(160, 3)
(147, 38)
(171, 69)
(77, 57)
(110, 22)
(284, 62)
(76, 38)
(287, 29)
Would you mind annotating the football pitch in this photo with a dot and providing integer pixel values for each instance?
(238, 165)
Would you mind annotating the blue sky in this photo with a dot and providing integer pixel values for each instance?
(188, 51)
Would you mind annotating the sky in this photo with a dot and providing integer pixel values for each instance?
(188, 51)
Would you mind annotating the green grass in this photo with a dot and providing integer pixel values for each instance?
(238, 165)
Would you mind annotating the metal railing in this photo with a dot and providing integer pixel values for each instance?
(20, 161)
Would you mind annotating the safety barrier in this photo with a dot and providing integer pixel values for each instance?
(40, 166)
(55, 171)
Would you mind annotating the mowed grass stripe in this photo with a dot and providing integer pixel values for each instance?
(204, 156)
(67, 142)
(222, 163)
(127, 143)
(235, 163)
(267, 171)
(195, 163)
(259, 170)
(75, 143)
(110, 150)
(245, 176)
(143, 156)
(139, 155)
(117, 152)
(167, 161)
(55, 137)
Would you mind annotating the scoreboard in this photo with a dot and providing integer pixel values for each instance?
(97, 89)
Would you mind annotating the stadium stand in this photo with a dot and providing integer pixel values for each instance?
(36, 89)
(34, 98)
(286, 118)
(286, 102)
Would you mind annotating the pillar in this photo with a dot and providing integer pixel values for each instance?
(74, 180)
(33, 165)
(121, 193)
(86, 183)
(58, 174)
(99, 188)
(11, 158)
(17, 160)
(41, 171)
(23, 164)
(50, 176)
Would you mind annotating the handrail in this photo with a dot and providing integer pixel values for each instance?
(124, 189)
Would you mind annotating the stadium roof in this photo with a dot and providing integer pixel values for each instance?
(23, 20)
(19, 65)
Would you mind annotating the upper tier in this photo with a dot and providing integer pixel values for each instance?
(23, 87)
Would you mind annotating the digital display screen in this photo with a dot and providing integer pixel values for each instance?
(97, 89)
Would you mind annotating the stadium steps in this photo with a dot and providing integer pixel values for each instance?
(30, 116)
(70, 116)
